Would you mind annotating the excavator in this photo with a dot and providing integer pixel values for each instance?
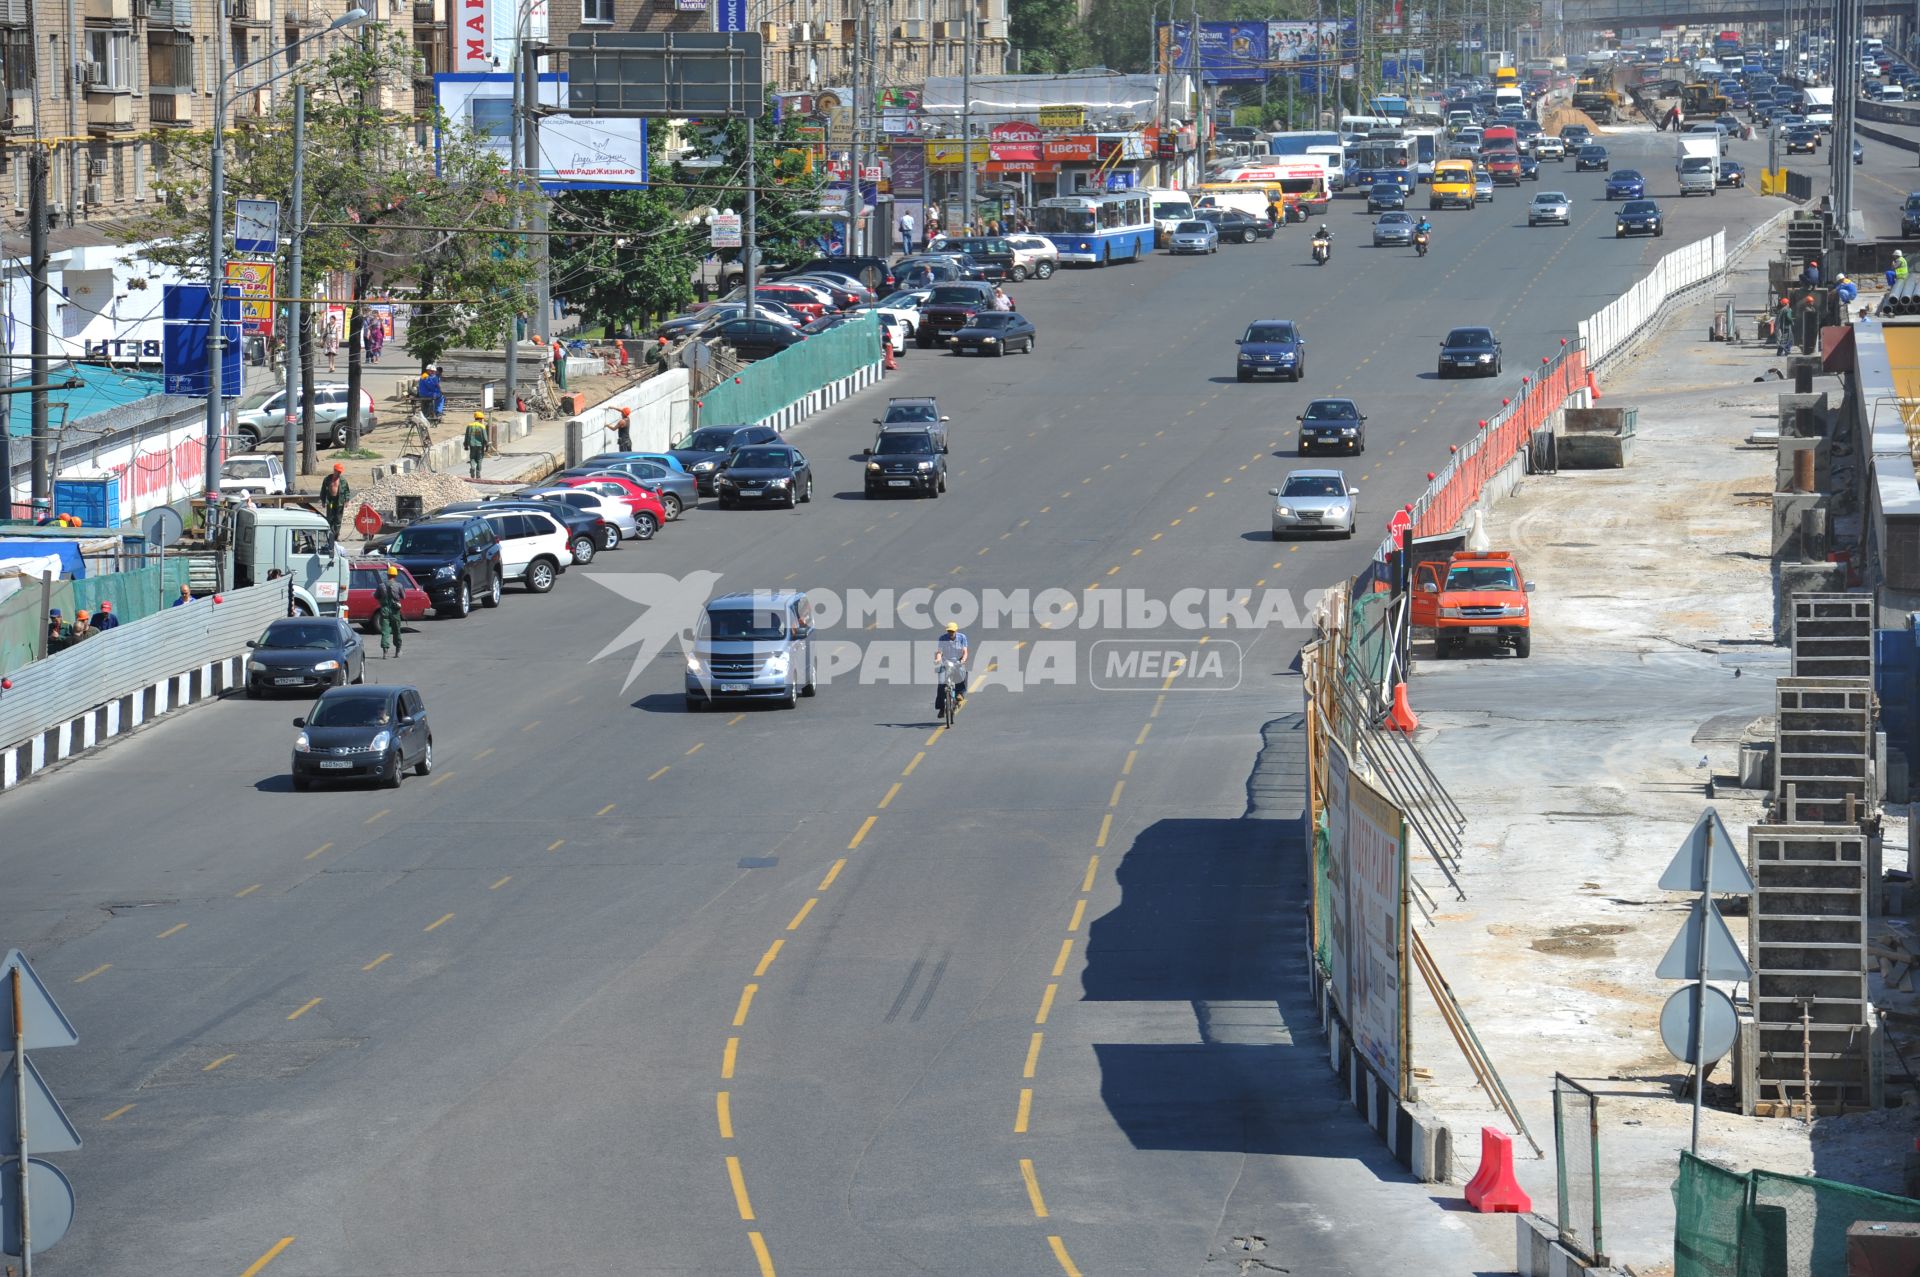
(1702, 101)
(1594, 94)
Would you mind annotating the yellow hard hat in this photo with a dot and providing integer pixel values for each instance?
(479, 416)
(393, 569)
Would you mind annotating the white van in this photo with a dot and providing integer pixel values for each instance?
(1170, 208)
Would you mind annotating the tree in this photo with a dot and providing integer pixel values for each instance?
(1049, 35)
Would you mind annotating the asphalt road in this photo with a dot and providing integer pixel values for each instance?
(625, 990)
(1880, 183)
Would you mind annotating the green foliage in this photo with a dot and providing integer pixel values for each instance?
(1049, 35)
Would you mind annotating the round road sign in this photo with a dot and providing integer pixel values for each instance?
(163, 526)
(367, 521)
(1676, 1024)
(52, 1204)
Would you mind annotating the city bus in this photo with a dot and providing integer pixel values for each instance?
(1098, 229)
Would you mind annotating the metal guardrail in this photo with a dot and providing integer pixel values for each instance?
(134, 655)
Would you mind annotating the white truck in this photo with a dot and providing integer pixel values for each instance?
(1697, 160)
(1817, 106)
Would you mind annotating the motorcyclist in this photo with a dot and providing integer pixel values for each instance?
(1323, 232)
(1423, 227)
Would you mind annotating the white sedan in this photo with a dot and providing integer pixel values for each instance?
(1034, 255)
(900, 314)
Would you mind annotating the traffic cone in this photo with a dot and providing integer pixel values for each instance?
(1593, 387)
(1401, 717)
(888, 363)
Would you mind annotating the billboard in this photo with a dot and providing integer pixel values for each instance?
(253, 281)
(576, 154)
(1227, 50)
(909, 171)
(1310, 41)
(1375, 873)
(184, 308)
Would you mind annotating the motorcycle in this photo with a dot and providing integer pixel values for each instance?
(1420, 243)
(1322, 249)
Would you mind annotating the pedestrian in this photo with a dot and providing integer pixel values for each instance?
(1899, 266)
(906, 232)
(1783, 329)
(104, 619)
(185, 597)
(82, 628)
(1810, 273)
(387, 597)
(334, 491)
(333, 340)
(623, 433)
(376, 340)
(476, 443)
(559, 364)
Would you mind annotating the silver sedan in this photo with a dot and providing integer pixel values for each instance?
(1550, 207)
(1314, 501)
(1393, 228)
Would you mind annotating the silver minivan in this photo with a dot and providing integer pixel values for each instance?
(756, 645)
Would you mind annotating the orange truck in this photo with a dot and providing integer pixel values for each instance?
(1476, 596)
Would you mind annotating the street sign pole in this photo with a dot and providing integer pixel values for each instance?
(1700, 998)
(20, 1116)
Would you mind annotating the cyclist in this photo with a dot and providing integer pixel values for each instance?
(950, 654)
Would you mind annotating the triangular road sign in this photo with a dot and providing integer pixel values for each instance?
(48, 1130)
(1724, 959)
(47, 1028)
(1708, 842)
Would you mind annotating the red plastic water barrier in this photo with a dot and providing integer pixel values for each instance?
(1493, 1190)
(1401, 717)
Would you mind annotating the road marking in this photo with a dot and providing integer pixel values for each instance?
(575, 700)
(983, 550)
(861, 835)
(376, 962)
(832, 873)
(1045, 509)
(1118, 785)
(273, 1253)
(217, 1063)
(384, 811)
(309, 1005)
(697, 747)
(739, 1183)
(1046, 1003)
(441, 779)
(1156, 536)
(890, 793)
(1157, 702)
(1033, 1188)
(503, 882)
(1211, 495)
(728, 1056)
(723, 1101)
(244, 892)
(483, 753)
(1126, 768)
(1106, 827)
(174, 930)
(663, 771)
(321, 850)
(530, 726)
(736, 718)
(1079, 914)
(604, 810)
(441, 921)
(773, 951)
(1093, 867)
(759, 1243)
(1060, 963)
(1023, 523)
(1024, 1112)
(1033, 1054)
(1141, 739)
(1114, 569)
(555, 844)
(746, 1002)
(935, 736)
(801, 917)
(105, 966)
(1060, 1253)
(122, 1111)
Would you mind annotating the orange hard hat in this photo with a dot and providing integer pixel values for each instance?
(338, 468)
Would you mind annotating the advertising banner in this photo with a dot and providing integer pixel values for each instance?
(1063, 117)
(254, 282)
(1334, 924)
(576, 154)
(909, 171)
(184, 346)
(1227, 50)
(945, 153)
(1376, 880)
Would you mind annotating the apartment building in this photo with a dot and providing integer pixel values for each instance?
(110, 85)
(810, 43)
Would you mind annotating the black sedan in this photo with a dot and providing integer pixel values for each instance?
(1529, 168)
(769, 474)
(995, 332)
(1638, 217)
(1470, 350)
(1382, 196)
(363, 733)
(1235, 226)
(757, 338)
(1591, 158)
(300, 654)
(1333, 423)
(1803, 138)
(702, 451)
(1731, 174)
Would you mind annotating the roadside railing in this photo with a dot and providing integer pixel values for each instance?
(1576, 1155)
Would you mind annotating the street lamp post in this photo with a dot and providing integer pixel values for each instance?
(216, 226)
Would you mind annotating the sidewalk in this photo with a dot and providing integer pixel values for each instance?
(1581, 770)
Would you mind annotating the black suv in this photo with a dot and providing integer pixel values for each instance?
(992, 253)
(907, 459)
(456, 560)
(1910, 216)
(702, 451)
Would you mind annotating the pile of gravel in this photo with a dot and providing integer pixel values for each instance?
(434, 490)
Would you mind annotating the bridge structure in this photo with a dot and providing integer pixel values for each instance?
(1697, 13)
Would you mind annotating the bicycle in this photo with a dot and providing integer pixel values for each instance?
(947, 697)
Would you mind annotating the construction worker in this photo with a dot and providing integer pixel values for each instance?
(477, 441)
(1783, 329)
(623, 433)
(334, 491)
(387, 596)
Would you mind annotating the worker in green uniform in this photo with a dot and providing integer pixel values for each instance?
(334, 491)
(476, 443)
(386, 598)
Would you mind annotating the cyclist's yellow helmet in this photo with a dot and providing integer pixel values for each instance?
(953, 627)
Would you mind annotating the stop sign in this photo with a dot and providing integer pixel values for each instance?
(367, 521)
(1399, 525)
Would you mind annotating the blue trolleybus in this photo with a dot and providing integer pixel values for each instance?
(1098, 229)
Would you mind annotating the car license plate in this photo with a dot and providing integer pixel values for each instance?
(335, 764)
(898, 483)
(285, 682)
(1483, 629)
(733, 687)
(749, 492)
